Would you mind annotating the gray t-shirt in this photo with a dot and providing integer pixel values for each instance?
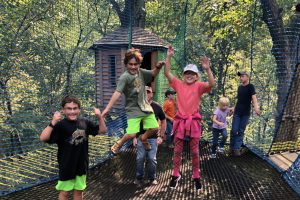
(133, 87)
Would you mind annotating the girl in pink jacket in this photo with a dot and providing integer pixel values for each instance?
(187, 119)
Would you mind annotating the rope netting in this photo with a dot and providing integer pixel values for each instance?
(49, 49)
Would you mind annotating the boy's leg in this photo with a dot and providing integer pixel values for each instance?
(151, 159)
(64, 187)
(242, 127)
(140, 160)
(194, 148)
(77, 194)
(234, 131)
(224, 137)
(168, 132)
(151, 126)
(131, 130)
(215, 133)
(63, 195)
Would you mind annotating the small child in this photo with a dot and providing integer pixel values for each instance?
(220, 125)
(187, 119)
(169, 107)
(132, 84)
(71, 136)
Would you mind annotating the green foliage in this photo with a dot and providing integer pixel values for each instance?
(44, 53)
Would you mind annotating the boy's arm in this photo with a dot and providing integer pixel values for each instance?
(116, 95)
(255, 104)
(206, 66)
(168, 73)
(157, 68)
(46, 133)
(102, 125)
(163, 127)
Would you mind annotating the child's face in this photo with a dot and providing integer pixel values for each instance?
(223, 107)
(71, 111)
(133, 66)
(244, 79)
(190, 77)
(149, 95)
(170, 96)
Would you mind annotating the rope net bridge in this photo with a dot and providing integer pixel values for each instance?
(50, 49)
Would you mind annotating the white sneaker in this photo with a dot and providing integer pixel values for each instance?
(213, 155)
(153, 182)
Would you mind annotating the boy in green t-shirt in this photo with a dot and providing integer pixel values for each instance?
(132, 84)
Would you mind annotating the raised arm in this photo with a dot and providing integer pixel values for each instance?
(116, 95)
(102, 125)
(157, 68)
(255, 104)
(206, 67)
(46, 133)
(168, 73)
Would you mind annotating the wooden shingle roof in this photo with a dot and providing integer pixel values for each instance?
(140, 37)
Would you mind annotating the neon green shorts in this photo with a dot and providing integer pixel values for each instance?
(79, 183)
(149, 121)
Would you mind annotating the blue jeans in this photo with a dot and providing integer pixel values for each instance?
(216, 132)
(169, 128)
(239, 123)
(151, 159)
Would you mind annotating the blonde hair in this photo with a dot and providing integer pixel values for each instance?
(223, 101)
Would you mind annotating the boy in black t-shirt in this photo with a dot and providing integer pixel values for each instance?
(71, 136)
(245, 96)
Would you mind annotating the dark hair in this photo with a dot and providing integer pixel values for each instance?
(70, 99)
(133, 53)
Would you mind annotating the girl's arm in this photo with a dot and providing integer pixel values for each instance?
(206, 66)
(168, 73)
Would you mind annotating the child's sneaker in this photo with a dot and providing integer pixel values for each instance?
(139, 182)
(213, 155)
(153, 182)
(220, 150)
(198, 185)
(174, 181)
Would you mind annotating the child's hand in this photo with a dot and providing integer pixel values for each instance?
(104, 112)
(159, 140)
(231, 111)
(160, 64)
(97, 112)
(56, 117)
(257, 111)
(221, 124)
(205, 62)
(134, 142)
(170, 52)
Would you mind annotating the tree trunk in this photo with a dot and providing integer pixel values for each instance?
(133, 13)
(282, 50)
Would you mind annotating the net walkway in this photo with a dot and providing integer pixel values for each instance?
(245, 177)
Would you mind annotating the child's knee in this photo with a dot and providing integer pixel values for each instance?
(153, 130)
(63, 195)
(78, 194)
(131, 136)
